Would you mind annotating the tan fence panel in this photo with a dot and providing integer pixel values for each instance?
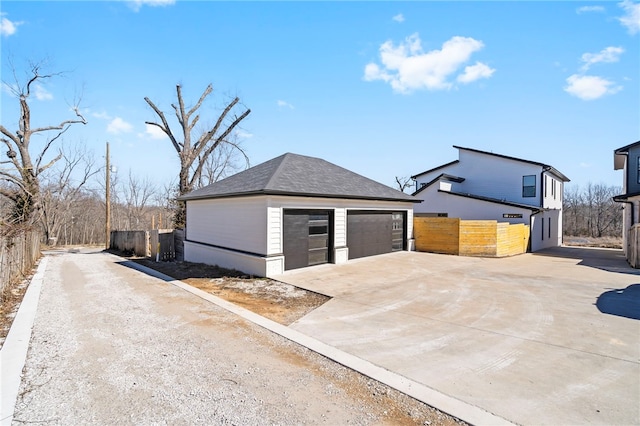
(437, 234)
(512, 239)
(486, 238)
(478, 238)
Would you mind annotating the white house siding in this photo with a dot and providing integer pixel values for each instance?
(541, 236)
(253, 265)
(468, 208)
(233, 223)
(552, 191)
(497, 177)
(490, 176)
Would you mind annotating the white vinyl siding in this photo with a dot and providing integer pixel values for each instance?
(489, 176)
(340, 227)
(232, 223)
(274, 230)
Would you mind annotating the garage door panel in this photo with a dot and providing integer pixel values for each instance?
(369, 233)
(295, 240)
(306, 238)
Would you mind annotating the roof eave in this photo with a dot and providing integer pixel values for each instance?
(297, 194)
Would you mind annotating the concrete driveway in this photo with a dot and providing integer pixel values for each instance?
(546, 338)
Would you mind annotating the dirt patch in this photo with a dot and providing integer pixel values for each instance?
(272, 299)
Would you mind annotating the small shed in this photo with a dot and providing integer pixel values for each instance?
(294, 211)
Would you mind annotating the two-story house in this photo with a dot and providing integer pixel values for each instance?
(627, 158)
(482, 185)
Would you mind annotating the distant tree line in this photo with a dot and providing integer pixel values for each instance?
(589, 211)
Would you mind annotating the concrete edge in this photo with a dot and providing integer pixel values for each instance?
(450, 405)
(13, 354)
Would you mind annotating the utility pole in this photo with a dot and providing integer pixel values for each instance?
(107, 228)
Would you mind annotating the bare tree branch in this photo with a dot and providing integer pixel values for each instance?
(194, 157)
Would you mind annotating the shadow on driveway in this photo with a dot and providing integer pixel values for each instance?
(621, 302)
(610, 260)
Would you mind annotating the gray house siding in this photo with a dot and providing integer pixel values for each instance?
(633, 172)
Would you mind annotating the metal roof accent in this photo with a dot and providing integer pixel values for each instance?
(441, 176)
(436, 168)
(298, 175)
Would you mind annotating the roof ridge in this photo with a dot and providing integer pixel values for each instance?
(272, 178)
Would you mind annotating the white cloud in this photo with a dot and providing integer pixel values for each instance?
(407, 68)
(475, 72)
(137, 4)
(103, 115)
(154, 132)
(587, 9)
(243, 134)
(118, 125)
(42, 94)
(607, 55)
(585, 165)
(631, 18)
(285, 104)
(588, 87)
(8, 27)
(398, 18)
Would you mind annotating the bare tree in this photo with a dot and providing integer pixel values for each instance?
(403, 183)
(137, 195)
(63, 190)
(22, 177)
(195, 151)
(223, 162)
(590, 211)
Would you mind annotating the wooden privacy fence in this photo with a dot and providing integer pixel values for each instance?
(18, 255)
(633, 246)
(156, 244)
(486, 238)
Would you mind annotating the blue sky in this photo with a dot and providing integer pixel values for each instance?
(382, 88)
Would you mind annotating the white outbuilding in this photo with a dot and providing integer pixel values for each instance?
(291, 212)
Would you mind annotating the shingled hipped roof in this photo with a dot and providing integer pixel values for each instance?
(299, 175)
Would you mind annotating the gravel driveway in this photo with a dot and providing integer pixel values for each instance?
(113, 346)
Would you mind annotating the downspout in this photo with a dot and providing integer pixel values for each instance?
(633, 214)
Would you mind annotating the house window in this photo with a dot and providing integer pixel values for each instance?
(546, 183)
(638, 169)
(529, 186)
(549, 228)
(542, 223)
